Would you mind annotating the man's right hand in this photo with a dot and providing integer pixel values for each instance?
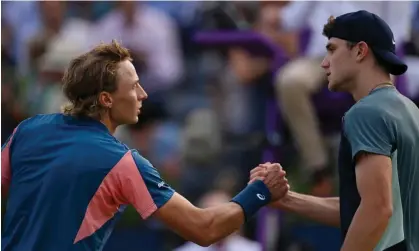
(274, 178)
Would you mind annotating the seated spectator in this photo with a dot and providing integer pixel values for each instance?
(268, 24)
(244, 75)
(152, 37)
(414, 34)
(24, 21)
(412, 56)
(200, 149)
(51, 53)
(11, 109)
(46, 90)
(52, 16)
(242, 85)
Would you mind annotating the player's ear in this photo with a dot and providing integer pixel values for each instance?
(362, 51)
(105, 100)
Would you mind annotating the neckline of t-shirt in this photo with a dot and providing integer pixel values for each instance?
(383, 86)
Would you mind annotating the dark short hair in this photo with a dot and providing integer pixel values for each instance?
(90, 74)
(327, 32)
(328, 28)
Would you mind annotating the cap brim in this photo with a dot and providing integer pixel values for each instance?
(395, 65)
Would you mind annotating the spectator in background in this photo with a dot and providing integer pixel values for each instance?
(244, 83)
(24, 21)
(10, 107)
(269, 25)
(89, 10)
(234, 242)
(412, 55)
(51, 51)
(415, 26)
(46, 93)
(52, 15)
(152, 37)
(302, 77)
(200, 149)
(184, 12)
(242, 79)
(34, 24)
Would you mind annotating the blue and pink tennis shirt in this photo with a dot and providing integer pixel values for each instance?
(67, 180)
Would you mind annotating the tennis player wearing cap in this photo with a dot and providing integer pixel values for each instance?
(379, 149)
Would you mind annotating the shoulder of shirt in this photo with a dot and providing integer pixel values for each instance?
(360, 111)
(367, 106)
(361, 108)
(104, 141)
(39, 118)
(141, 160)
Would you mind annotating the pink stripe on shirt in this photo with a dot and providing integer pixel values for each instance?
(122, 185)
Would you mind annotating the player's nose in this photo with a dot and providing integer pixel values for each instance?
(142, 95)
(325, 63)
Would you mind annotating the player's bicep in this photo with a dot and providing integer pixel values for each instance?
(374, 179)
(369, 130)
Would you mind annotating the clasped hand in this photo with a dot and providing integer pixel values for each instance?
(274, 178)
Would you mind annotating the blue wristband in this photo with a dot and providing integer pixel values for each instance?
(255, 196)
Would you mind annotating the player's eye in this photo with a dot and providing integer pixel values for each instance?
(330, 50)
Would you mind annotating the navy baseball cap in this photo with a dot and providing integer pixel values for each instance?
(374, 31)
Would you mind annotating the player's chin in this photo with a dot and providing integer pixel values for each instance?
(135, 119)
(132, 120)
(333, 87)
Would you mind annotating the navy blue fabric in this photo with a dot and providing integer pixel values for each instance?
(57, 164)
(158, 189)
(252, 198)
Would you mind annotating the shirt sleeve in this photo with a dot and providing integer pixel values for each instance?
(159, 190)
(368, 129)
(141, 185)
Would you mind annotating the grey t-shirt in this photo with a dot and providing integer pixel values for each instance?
(384, 122)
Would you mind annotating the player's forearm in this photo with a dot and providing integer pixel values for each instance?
(207, 226)
(367, 227)
(323, 210)
(221, 221)
(225, 219)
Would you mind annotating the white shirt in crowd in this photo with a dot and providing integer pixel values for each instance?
(232, 243)
(154, 34)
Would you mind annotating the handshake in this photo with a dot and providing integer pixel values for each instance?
(272, 175)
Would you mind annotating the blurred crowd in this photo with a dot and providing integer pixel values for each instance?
(204, 124)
